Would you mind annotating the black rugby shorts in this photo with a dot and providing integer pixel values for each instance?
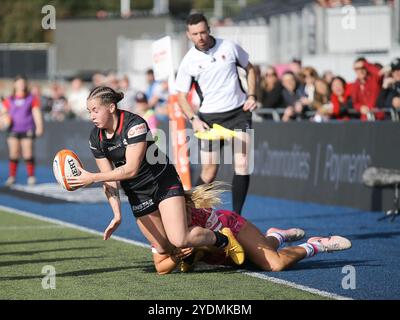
(146, 199)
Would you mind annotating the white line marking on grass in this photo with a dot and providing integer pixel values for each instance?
(53, 190)
(145, 245)
(29, 227)
(70, 225)
(295, 285)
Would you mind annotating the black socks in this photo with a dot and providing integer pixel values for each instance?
(240, 186)
(222, 240)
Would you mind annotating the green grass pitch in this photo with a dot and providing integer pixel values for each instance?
(89, 268)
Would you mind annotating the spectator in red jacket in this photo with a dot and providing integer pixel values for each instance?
(341, 99)
(366, 88)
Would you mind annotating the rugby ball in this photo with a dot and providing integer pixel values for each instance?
(65, 164)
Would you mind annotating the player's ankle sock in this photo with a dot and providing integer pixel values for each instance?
(221, 240)
(240, 186)
(12, 166)
(199, 181)
(278, 236)
(30, 167)
(318, 246)
(312, 248)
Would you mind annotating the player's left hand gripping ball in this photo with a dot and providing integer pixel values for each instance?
(66, 164)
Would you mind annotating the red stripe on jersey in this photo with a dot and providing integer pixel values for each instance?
(121, 121)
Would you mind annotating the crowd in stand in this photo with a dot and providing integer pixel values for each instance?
(62, 101)
(340, 3)
(301, 93)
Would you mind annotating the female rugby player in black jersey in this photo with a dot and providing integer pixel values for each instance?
(124, 149)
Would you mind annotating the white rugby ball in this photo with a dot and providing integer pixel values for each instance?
(65, 164)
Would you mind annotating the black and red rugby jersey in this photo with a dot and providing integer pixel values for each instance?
(131, 129)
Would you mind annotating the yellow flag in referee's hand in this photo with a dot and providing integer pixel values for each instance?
(217, 132)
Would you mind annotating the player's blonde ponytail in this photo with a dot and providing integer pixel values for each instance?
(205, 195)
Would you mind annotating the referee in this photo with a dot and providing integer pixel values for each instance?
(211, 65)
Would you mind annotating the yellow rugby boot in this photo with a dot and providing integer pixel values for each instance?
(234, 249)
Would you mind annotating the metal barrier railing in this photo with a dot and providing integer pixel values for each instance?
(276, 114)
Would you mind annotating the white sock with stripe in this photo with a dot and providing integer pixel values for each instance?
(312, 248)
(278, 236)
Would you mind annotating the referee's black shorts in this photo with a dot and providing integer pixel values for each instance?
(236, 119)
(146, 199)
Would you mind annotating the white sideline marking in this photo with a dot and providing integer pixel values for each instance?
(29, 227)
(145, 245)
(70, 225)
(54, 190)
(295, 285)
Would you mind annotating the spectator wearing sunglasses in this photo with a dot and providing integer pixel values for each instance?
(366, 88)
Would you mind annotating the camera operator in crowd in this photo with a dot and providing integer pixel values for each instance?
(390, 94)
